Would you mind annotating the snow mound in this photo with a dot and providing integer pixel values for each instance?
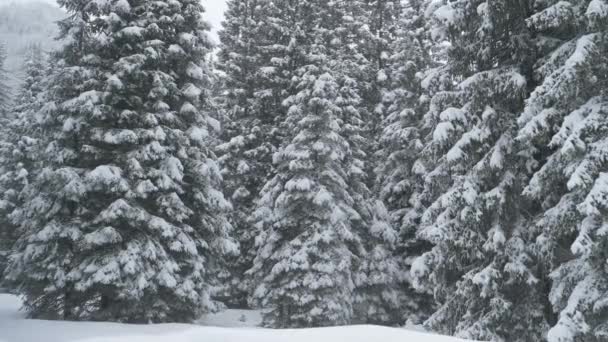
(233, 319)
(14, 328)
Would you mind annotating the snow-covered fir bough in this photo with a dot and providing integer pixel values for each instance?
(482, 268)
(564, 125)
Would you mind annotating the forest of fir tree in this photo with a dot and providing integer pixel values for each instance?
(332, 162)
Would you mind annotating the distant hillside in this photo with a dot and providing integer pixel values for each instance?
(23, 23)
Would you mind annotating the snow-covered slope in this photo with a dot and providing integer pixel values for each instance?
(14, 328)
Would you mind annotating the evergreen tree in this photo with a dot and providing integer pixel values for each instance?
(126, 221)
(481, 268)
(564, 128)
(382, 21)
(311, 214)
(377, 273)
(305, 257)
(5, 95)
(398, 176)
(18, 144)
(252, 109)
(5, 148)
(35, 69)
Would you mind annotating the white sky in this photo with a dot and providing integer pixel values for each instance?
(215, 11)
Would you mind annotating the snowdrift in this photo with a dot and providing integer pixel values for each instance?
(14, 328)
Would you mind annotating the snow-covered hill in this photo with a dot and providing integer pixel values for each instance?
(14, 328)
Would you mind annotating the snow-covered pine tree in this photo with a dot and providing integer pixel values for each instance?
(252, 109)
(305, 256)
(398, 180)
(565, 127)
(35, 69)
(481, 267)
(381, 19)
(5, 148)
(126, 222)
(309, 247)
(378, 299)
(18, 143)
(376, 275)
(5, 93)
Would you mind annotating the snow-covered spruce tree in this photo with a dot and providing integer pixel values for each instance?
(481, 267)
(252, 109)
(5, 148)
(5, 95)
(18, 144)
(126, 222)
(565, 126)
(381, 19)
(305, 255)
(376, 275)
(309, 247)
(35, 69)
(397, 177)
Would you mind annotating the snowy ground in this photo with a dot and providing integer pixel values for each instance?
(230, 326)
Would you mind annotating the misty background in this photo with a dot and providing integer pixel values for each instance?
(27, 22)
